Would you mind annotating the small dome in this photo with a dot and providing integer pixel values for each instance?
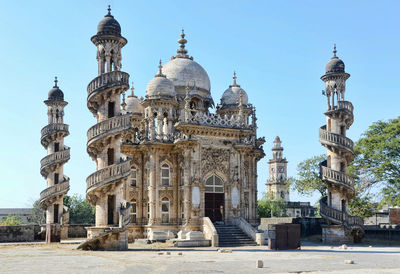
(108, 25)
(335, 65)
(231, 96)
(56, 94)
(160, 86)
(133, 105)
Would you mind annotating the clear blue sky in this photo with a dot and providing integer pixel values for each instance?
(278, 48)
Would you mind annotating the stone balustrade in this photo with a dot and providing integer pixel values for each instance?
(109, 174)
(346, 105)
(48, 130)
(326, 136)
(335, 176)
(113, 125)
(124, 216)
(54, 158)
(338, 216)
(52, 191)
(107, 80)
(211, 119)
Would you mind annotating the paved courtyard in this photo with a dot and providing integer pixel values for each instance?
(64, 258)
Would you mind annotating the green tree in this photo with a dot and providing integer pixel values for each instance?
(377, 160)
(80, 211)
(267, 206)
(308, 180)
(11, 219)
(38, 214)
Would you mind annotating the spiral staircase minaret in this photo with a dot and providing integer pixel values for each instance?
(104, 186)
(342, 227)
(51, 167)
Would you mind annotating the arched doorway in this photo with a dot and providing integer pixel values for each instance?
(214, 198)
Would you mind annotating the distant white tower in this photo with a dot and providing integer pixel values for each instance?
(51, 166)
(276, 184)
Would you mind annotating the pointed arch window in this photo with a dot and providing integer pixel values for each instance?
(214, 184)
(133, 211)
(165, 175)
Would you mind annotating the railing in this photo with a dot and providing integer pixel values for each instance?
(108, 174)
(109, 79)
(53, 190)
(337, 216)
(346, 105)
(336, 176)
(51, 128)
(325, 135)
(210, 119)
(249, 230)
(209, 231)
(117, 123)
(57, 157)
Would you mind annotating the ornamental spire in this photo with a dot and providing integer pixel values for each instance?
(334, 51)
(132, 91)
(109, 10)
(55, 82)
(234, 84)
(182, 52)
(160, 74)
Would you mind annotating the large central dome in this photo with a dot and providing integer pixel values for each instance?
(186, 72)
(182, 71)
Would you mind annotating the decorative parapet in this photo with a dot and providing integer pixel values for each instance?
(109, 127)
(216, 120)
(53, 159)
(109, 174)
(338, 216)
(337, 177)
(50, 129)
(330, 137)
(53, 191)
(108, 80)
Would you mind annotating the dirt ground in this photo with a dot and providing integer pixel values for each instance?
(162, 258)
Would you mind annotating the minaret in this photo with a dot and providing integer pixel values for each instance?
(51, 166)
(276, 185)
(339, 117)
(103, 187)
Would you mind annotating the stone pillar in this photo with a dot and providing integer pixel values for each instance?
(186, 190)
(152, 195)
(101, 210)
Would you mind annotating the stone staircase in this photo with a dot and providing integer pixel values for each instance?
(231, 235)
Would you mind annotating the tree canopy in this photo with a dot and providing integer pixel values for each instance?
(268, 207)
(80, 211)
(376, 163)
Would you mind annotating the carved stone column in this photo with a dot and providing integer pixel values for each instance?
(186, 190)
(152, 190)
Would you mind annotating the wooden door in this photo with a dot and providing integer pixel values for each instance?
(213, 203)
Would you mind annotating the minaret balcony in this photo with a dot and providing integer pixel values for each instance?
(51, 161)
(337, 177)
(343, 110)
(52, 131)
(111, 126)
(50, 194)
(108, 175)
(335, 140)
(105, 81)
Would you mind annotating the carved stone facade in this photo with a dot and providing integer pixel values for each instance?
(171, 159)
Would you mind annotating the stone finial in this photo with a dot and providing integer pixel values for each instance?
(334, 50)
(132, 91)
(55, 82)
(159, 73)
(182, 52)
(123, 105)
(109, 10)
